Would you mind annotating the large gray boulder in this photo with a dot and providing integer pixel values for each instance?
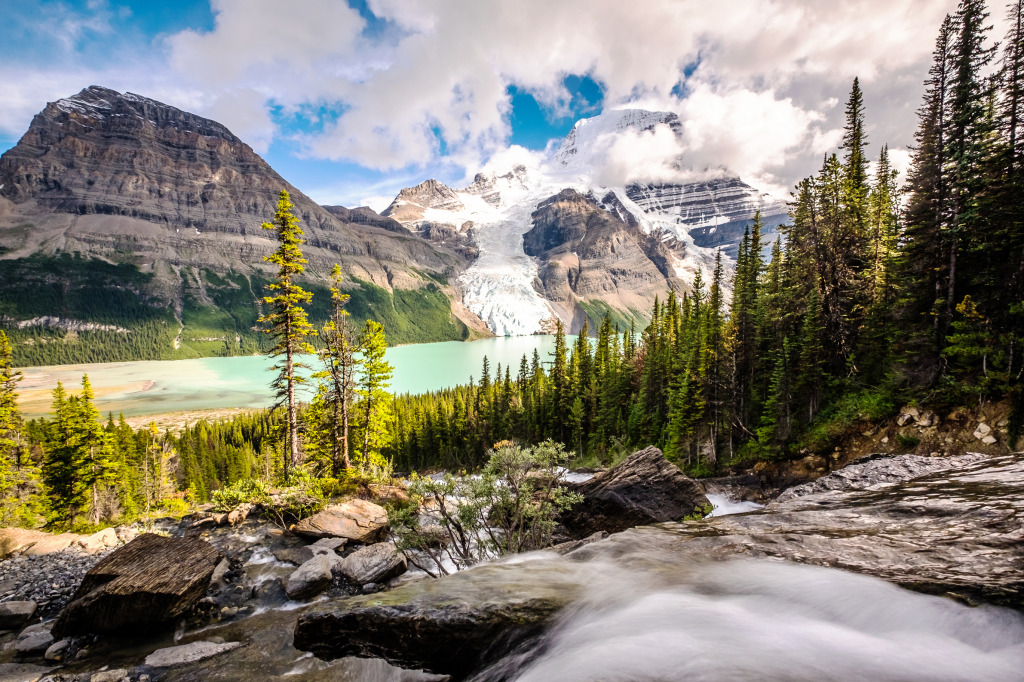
(35, 639)
(143, 585)
(645, 488)
(374, 564)
(355, 520)
(312, 577)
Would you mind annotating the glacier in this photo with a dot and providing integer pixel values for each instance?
(499, 286)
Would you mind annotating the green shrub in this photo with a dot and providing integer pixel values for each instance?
(511, 507)
(248, 490)
(699, 512)
(908, 442)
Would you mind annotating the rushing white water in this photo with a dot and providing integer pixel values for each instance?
(725, 505)
(759, 620)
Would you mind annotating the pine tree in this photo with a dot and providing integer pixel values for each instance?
(373, 392)
(340, 365)
(77, 461)
(855, 166)
(923, 258)
(287, 320)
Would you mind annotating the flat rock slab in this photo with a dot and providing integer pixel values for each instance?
(645, 488)
(143, 585)
(450, 626)
(14, 614)
(374, 564)
(355, 520)
(22, 672)
(188, 653)
(33, 542)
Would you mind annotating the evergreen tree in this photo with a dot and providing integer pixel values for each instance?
(77, 459)
(373, 392)
(340, 364)
(287, 321)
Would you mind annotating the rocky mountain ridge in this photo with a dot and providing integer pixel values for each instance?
(492, 217)
(120, 179)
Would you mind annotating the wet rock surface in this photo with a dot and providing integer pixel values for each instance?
(188, 653)
(645, 488)
(951, 525)
(450, 626)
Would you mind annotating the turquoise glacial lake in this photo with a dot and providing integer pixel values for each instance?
(159, 387)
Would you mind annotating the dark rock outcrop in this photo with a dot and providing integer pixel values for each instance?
(594, 261)
(145, 584)
(645, 488)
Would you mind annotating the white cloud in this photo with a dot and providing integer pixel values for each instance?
(765, 98)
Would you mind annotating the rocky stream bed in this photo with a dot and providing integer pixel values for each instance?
(813, 586)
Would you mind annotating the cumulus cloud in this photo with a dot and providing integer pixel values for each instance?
(761, 95)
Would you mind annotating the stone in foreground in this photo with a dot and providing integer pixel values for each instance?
(35, 639)
(143, 585)
(645, 488)
(450, 626)
(14, 614)
(311, 578)
(355, 520)
(374, 564)
(188, 653)
(22, 672)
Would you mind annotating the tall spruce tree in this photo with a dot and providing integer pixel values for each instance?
(372, 389)
(287, 321)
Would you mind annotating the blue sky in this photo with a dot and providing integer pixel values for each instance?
(350, 101)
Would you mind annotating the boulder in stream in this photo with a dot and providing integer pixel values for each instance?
(312, 577)
(645, 488)
(374, 564)
(355, 520)
(144, 584)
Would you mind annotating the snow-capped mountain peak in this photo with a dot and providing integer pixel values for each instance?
(623, 207)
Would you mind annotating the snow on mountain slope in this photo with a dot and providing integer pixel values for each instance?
(496, 210)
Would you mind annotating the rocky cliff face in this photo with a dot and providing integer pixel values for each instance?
(125, 179)
(715, 212)
(595, 263)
